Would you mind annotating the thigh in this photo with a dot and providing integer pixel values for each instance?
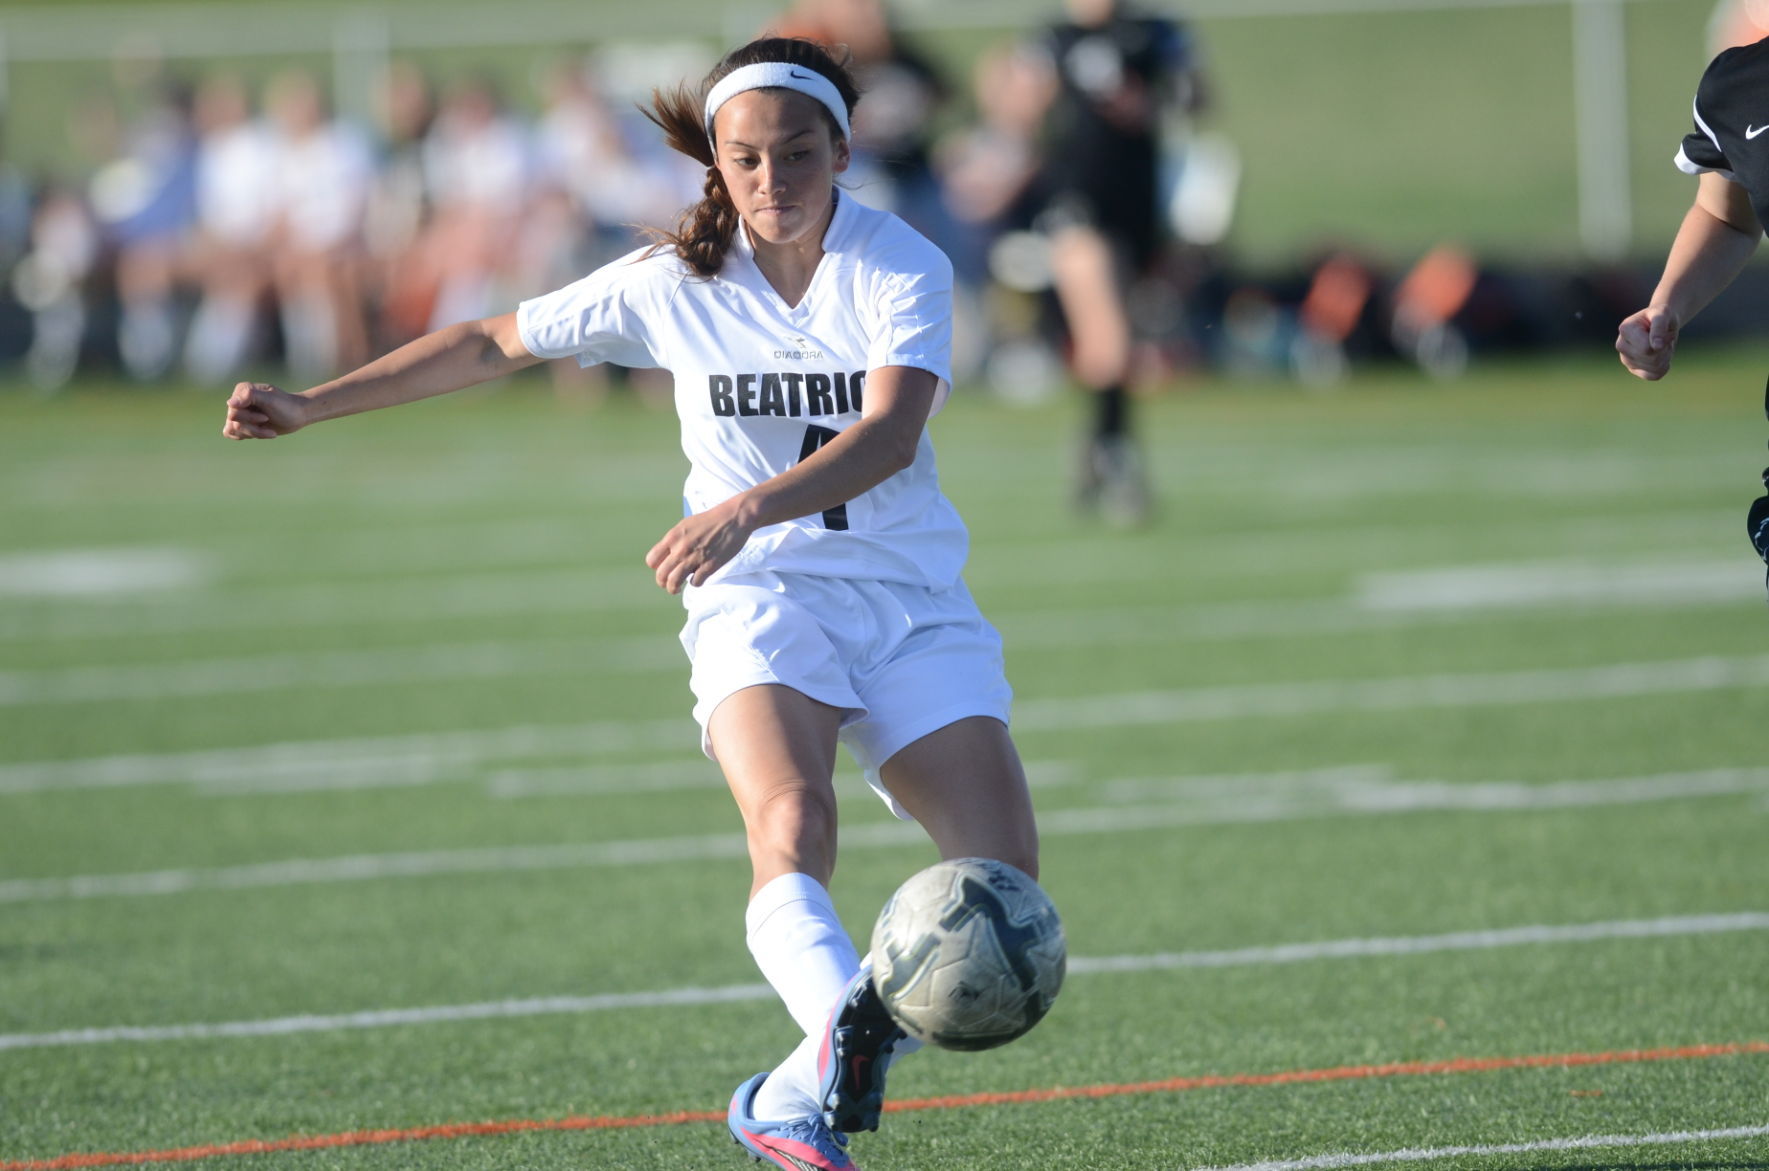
(965, 785)
(777, 749)
(1085, 269)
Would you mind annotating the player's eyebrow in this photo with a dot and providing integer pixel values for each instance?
(752, 146)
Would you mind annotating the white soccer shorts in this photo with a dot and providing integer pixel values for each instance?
(900, 660)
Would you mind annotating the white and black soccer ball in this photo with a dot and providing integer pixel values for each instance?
(968, 954)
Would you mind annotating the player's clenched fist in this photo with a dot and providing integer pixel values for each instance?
(1646, 342)
(257, 410)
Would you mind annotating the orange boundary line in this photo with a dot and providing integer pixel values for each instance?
(357, 1138)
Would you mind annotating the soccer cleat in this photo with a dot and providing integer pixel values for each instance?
(795, 1144)
(1113, 483)
(855, 1055)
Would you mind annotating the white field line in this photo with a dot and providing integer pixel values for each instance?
(1292, 953)
(452, 755)
(399, 596)
(1278, 799)
(664, 776)
(1468, 587)
(1391, 603)
(1431, 1154)
(408, 758)
(1382, 600)
(400, 599)
(116, 571)
(1552, 685)
(361, 668)
(1295, 953)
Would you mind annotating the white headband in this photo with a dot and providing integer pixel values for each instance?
(777, 75)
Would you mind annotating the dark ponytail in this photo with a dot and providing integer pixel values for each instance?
(704, 233)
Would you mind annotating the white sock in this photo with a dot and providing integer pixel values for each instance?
(791, 1089)
(800, 946)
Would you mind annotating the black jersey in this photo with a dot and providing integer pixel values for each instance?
(1102, 139)
(1731, 116)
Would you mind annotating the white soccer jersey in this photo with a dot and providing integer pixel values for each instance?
(760, 384)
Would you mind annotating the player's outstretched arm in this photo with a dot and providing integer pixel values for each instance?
(452, 358)
(1717, 238)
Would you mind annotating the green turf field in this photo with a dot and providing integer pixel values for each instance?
(347, 786)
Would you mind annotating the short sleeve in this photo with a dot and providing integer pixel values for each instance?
(914, 325)
(600, 318)
(1701, 151)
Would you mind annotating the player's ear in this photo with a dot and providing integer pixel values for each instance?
(843, 156)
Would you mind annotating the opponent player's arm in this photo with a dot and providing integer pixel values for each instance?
(1718, 237)
(452, 358)
(898, 401)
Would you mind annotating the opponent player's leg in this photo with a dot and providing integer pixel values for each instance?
(1087, 272)
(777, 749)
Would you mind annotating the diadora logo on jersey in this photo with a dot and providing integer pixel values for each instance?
(800, 351)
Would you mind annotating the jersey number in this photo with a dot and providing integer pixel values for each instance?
(815, 437)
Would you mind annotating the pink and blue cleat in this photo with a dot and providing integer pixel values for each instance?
(795, 1144)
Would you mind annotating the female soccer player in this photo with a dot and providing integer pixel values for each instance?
(818, 561)
(1721, 231)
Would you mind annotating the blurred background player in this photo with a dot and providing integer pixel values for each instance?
(1729, 153)
(1118, 76)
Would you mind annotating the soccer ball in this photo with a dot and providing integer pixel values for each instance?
(968, 954)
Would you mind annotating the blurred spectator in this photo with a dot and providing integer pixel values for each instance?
(478, 167)
(236, 210)
(146, 201)
(398, 210)
(601, 176)
(987, 172)
(605, 160)
(50, 281)
(322, 173)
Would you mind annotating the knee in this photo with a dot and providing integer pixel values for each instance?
(795, 821)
